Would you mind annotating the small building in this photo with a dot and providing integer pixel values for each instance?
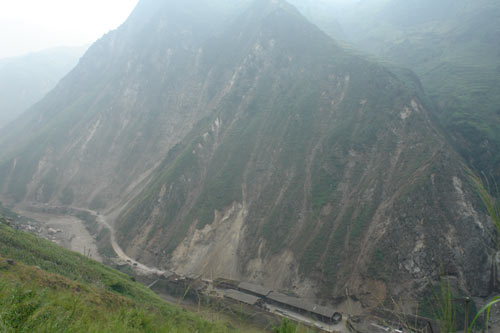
(254, 289)
(238, 296)
(325, 314)
(226, 283)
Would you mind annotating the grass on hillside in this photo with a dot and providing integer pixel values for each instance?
(50, 289)
(442, 303)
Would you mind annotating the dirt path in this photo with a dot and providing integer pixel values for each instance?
(120, 253)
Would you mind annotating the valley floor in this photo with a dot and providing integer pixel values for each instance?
(65, 230)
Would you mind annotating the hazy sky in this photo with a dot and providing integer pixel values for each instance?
(32, 25)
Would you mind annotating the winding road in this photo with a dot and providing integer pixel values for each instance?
(141, 268)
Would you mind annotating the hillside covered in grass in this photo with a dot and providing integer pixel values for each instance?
(45, 288)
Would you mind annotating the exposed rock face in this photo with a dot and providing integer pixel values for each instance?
(257, 150)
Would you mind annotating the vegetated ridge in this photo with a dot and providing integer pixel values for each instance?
(452, 46)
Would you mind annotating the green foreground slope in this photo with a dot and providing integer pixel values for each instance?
(50, 289)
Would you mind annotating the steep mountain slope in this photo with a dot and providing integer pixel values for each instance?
(45, 288)
(453, 47)
(317, 170)
(25, 80)
(253, 148)
(456, 51)
(135, 93)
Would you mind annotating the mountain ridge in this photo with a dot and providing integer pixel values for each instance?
(452, 46)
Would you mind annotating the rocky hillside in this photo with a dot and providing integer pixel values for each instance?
(26, 79)
(254, 147)
(133, 96)
(452, 46)
(317, 168)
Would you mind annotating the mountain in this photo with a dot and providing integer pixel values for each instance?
(453, 47)
(44, 288)
(243, 142)
(26, 79)
(133, 96)
(316, 164)
(319, 12)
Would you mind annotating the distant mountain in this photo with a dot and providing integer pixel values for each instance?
(243, 142)
(26, 79)
(134, 94)
(320, 12)
(454, 48)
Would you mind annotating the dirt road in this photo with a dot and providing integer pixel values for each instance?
(141, 268)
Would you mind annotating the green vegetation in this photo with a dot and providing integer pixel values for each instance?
(492, 205)
(493, 208)
(285, 327)
(48, 185)
(67, 196)
(227, 168)
(451, 45)
(486, 308)
(377, 264)
(441, 303)
(447, 305)
(97, 203)
(50, 289)
(455, 53)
